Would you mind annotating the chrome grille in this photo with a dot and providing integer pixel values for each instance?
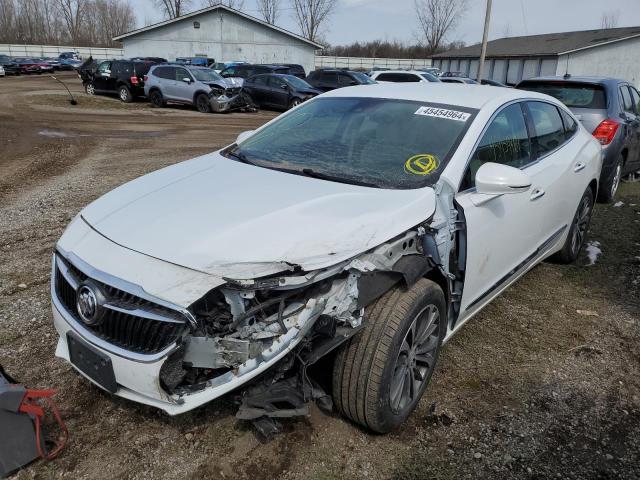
(130, 322)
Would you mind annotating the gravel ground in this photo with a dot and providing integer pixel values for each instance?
(544, 383)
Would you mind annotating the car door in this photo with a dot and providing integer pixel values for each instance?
(327, 81)
(101, 77)
(258, 89)
(185, 85)
(279, 93)
(633, 157)
(507, 234)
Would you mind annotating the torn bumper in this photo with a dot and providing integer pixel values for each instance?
(138, 379)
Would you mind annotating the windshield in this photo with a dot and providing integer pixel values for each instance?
(296, 82)
(429, 77)
(362, 78)
(573, 95)
(205, 75)
(387, 143)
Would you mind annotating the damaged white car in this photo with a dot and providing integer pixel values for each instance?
(365, 226)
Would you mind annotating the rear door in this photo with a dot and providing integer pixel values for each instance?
(632, 121)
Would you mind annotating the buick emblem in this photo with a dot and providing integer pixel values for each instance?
(89, 304)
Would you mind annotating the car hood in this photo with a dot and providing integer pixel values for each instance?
(230, 219)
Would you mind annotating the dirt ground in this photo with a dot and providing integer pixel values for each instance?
(544, 383)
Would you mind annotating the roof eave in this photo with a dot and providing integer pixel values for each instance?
(600, 44)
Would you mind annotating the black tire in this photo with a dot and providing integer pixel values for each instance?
(371, 363)
(125, 94)
(578, 231)
(294, 102)
(156, 99)
(202, 103)
(609, 187)
(89, 88)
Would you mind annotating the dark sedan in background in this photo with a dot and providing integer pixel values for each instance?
(9, 65)
(326, 79)
(609, 108)
(273, 90)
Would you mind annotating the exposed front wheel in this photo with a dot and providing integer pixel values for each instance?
(578, 230)
(294, 103)
(125, 94)
(90, 89)
(380, 375)
(202, 103)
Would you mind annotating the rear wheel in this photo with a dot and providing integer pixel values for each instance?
(202, 103)
(381, 373)
(578, 232)
(156, 99)
(609, 187)
(125, 94)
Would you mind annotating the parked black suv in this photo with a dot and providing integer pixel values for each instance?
(295, 69)
(330, 79)
(278, 91)
(609, 108)
(123, 77)
(10, 67)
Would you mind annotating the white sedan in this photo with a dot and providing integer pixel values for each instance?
(403, 76)
(369, 223)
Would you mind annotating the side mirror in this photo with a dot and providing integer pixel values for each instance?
(186, 80)
(284, 87)
(242, 136)
(498, 179)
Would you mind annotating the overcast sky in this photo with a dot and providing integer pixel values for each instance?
(361, 20)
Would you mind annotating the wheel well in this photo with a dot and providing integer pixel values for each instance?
(155, 89)
(624, 154)
(435, 275)
(195, 95)
(594, 187)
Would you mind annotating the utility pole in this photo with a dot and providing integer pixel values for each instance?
(485, 35)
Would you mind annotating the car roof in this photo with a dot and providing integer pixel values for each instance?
(473, 96)
(578, 79)
(416, 72)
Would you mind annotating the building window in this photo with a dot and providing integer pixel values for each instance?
(196, 24)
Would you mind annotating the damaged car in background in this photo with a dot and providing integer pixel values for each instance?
(362, 229)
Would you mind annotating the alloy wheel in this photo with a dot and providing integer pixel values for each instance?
(616, 180)
(416, 359)
(580, 225)
(91, 89)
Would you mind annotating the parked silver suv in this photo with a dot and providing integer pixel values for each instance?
(198, 86)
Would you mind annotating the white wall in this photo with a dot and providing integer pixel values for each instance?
(224, 36)
(368, 63)
(55, 50)
(619, 60)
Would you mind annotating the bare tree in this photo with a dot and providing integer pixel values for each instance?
(437, 18)
(235, 4)
(73, 13)
(269, 9)
(311, 14)
(173, 8)
(610, 19)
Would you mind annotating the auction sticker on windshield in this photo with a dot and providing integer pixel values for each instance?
(443, 113)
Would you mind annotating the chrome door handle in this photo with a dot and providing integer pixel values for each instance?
(579, 166)
(537, 193)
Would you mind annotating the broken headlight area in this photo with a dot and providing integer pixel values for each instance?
(230, 99)
(237, 327)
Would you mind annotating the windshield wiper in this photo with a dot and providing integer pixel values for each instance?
(238, 155)
(324, 176)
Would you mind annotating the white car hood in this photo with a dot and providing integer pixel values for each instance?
(227, 218)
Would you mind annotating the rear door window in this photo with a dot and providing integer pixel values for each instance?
(548, 128)
(636, 99)
(167, 73)
(506, 141)
(570, 125)
(627, 103)
(572, 94)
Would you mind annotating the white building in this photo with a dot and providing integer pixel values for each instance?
(221, 33)
(612, 52)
